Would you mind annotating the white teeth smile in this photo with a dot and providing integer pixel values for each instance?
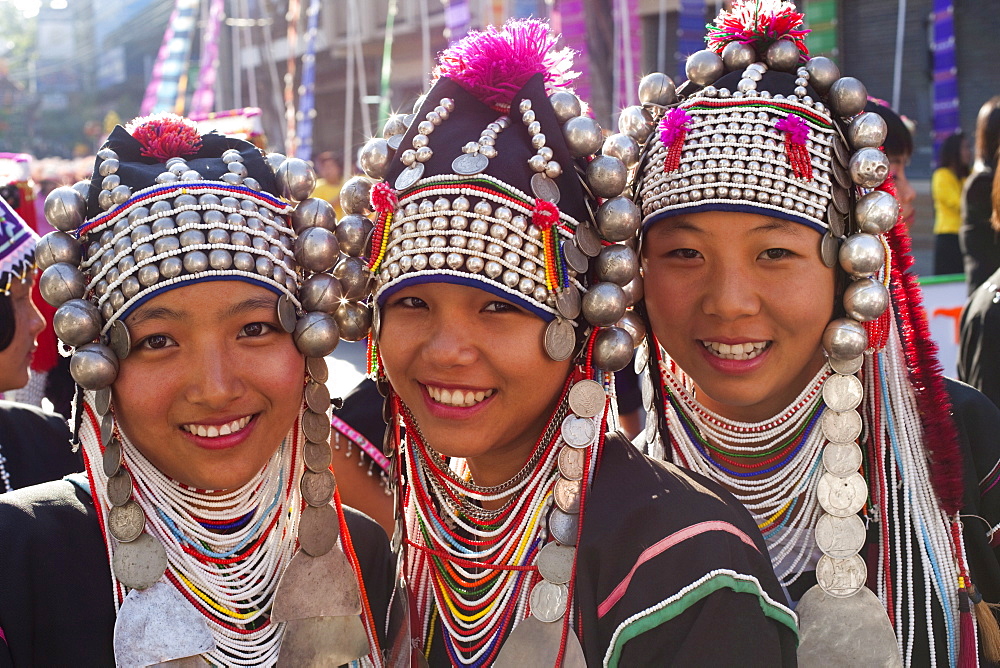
(214, 431)
(736, 351)
(460, 398)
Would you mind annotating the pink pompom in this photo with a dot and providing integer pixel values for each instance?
(165, 136)
(383, 197)
(758, 23)
(673, 130)
(545, 214)
(796, 134)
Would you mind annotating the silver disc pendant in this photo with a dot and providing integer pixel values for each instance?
(578, 432)
(323, 641)
(575, 259)
(469, 164)
(409, 176)
(317, 487)
(319, 528)
(567, 495)
(545, 188)
(853, 632)
(394, 141)
(646, 390)
(841, 199)
(318, 371)
(316, 427)
(842, 459)
(847, 367)
(568, 302)
(841, 577)
(141, 563)
(555, 562)
(317, 397)
(841, 152)
(840, 537)
(836, 220)
(571, 462)
(842, 392)
(119, 340)
(564, 526)
(841, 427)
(102, 401)
(286, 314)
(126, 522)
(120, 488)
(842, 496)
(548, 601)
(317, 456)
(107, 428)
(841, 175)
(829, 249)
(112, 458)
(157, 625)
(560, 339)
(588, 240)
(323, 586)
(587, 398)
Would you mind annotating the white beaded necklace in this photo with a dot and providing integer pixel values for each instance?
(4, 475)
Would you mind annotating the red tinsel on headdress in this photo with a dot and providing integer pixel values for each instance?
(673, 131)
(165, 136)
(495, 64)
(796, 133)
(759, 23)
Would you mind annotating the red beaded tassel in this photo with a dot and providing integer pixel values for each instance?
(545, 216)
(384, 201)
(796, 133)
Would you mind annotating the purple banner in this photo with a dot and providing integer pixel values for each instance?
(307, 87)
(204, 96)
(946, 116)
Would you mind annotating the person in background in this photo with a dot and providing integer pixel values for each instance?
(979, 241)
(330, 173)
(34, 443)
(946, 189)
(898, 148)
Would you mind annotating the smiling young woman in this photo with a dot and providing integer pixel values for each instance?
(207, 527)
(530, 531)
(788, 357)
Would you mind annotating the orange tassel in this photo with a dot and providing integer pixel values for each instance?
(989, 629)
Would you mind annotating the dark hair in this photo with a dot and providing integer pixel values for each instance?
(988, 131)
(898, 140)
(7, 323)
(995, 216)
(950, 155)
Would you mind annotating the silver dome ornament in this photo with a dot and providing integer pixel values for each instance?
(877, 212)
(62, 282)
(375, 157)
(606, 176)
(704, 67)
(65, 208)
(869, 167)
(321, 292)
(274, 160)
(316, 334)
(566, 105)
(657, 88)
(93, 366)
(617, 264)
(354, 320)
(618, 219)
(296, 179)
(847, 96)
(57, 247)
(867, 130)
(352, 233)
(633, 323)
(823, 72)
(634, 290)
(355, 196)
(583, 136)
(865, 299)
(603, 304)
(82, 187)
(783, 56)
(636, 122)
(738, 56)
(844, 339)
(394, 125)
(316, 249)
(623, 147)
(314, 212)
(77, 322)
(196, 262)
(613, 348)
(862, 255)
(355, 278)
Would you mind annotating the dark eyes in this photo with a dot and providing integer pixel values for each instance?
(156, 342)
(256, 329)
(776, 253)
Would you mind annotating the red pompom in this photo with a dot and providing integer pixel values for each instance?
(545, 214)
(165, 136)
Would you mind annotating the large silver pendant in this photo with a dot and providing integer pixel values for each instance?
(158, 625)
(469, 164)
(323, 641)
(324, 586)
(409, 176)
(536, 643)
(545, 188)
(853, 632)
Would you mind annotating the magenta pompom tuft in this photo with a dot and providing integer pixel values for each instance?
(495, 64)
(673, 130)
(758, 23)
(165, 136)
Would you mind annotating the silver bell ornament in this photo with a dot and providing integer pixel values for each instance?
(618, 219)
(93, 366)
(634, 290)
(623, 147)
(632, 323)
(77, 322)
(823, 72)
(274, 160)
(316, 249)
(657, 88)
(738, 56)
(316, 334)
(296, 179)
(704, 67)
(57, 247)
(877, 212)
(603, 304)
(636, 122)
(613, 348)
(354, 320)
(862, 255)
(844, 339)
(847, 96)
(865, 299)
(617, 264)
(869, 167)
(375, 157)
(62, 282)
(783, 56)
(65, 208)
(868, 130)
(566, 105)
(394, 125)
(354, 277)
(583, 136)
(352, 233)
(321, 292)
(314, 212)
(82, 187)
(355, 195)
(607, 176)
